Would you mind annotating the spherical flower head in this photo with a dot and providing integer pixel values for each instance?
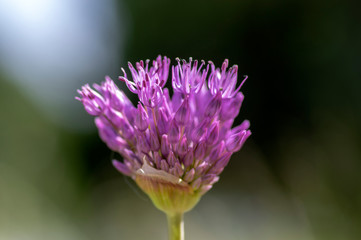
(174, 147)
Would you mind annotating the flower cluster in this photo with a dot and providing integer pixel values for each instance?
(188, 135)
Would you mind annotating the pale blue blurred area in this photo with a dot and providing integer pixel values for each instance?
(51, 48)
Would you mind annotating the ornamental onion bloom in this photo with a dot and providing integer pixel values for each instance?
(174, 147)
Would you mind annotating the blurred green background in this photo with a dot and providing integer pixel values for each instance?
(297, 177)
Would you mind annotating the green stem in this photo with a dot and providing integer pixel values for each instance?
(175, 226)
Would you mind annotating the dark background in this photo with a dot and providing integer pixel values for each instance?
(297, 177)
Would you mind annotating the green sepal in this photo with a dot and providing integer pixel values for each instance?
(169, 193)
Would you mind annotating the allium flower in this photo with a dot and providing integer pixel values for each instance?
(173, 147)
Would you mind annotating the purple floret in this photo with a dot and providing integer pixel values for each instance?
(188, 135)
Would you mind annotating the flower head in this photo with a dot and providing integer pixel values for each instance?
(181, 142)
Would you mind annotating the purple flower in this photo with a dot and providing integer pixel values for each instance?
(188, 136)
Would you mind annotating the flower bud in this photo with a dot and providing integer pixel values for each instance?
(164, 165)
(91, 107)
(213, 106)
(182, 147)
(244, 125)
(162, 122)
(189, 175)
(164, 147)
(121, 167)
(154, 141)
(197, 183)
(114, 117)
(221, 163)
(177, 170)
(212, 135)
(230, 107)
(200, 130)
(216, 152)
(225, 128)
(188, 159)
(209, 179)
(127, 129)
(235, 141)
(201, 169)
(108, 135)
(173, 134)
(205, 188)
(131, 158)
(157, 159)
(171, 159)
(141, 118)
(182, 115)
(200, 150)
(93, 102)
(142, 143)
(112, 92)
